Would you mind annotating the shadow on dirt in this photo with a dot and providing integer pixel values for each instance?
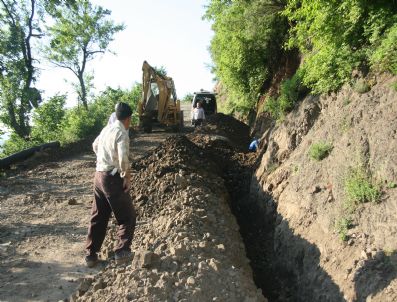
(278, 269)
(23, 278)
(375, 275)
(286, 266)
(22, 231)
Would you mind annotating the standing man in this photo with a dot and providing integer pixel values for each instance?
(111, 189)
(198, 115)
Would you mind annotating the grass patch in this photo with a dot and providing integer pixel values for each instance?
(320, 150)
(346, 101)
(361, 86)
(295, 169)
(345, 125)
(360, 188)
(342, 225)
(391, 185)
(394, 85)
(273, 167)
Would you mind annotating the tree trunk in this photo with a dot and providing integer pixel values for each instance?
(20, 127)
(83, 92)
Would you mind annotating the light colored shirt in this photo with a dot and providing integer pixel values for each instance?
(198, 113)
(112, 118)
(112, 148)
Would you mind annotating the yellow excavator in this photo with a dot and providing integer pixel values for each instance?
(159, 104)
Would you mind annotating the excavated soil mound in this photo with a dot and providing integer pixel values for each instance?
(187, 243)
(225, 125)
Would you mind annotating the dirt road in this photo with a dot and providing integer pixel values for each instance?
(44, 214)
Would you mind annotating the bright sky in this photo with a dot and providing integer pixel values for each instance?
(165, 33)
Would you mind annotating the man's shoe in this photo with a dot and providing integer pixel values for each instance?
(91, 260)
(122, 256)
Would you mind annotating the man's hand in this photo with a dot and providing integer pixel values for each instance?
(126, 184)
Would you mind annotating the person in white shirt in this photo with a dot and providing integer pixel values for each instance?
(111, 189)
(198, 115)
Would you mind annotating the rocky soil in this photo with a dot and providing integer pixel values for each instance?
(44, 210)
(187, 244)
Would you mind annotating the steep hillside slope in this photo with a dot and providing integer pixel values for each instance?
(326, 239)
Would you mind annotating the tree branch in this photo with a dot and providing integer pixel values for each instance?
(65, 66)
(90, 53)
(37, 35)
(8, 12)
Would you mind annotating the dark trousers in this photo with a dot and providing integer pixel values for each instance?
(110, 197)
(197, 122)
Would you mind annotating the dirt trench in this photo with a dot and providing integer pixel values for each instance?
(187, 243)
(225, 141)
(188, 246)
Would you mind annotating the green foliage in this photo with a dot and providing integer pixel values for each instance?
(245, 47)
(289, 95)
(360, 188)
(80, 123)
(319, 151)
(188, 98)
(81, 32)
(361, 86)
(385, 55)
(15, 144)
(336, 37)
(52, 122)
(345, 124)
(395, 86)
(342, 226)
(19, 26)
(391, 185)
(48, 119)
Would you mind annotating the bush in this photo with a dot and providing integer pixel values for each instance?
(52, 122)
(385, 56)
(337, 37)
(48, 118)
(342, 225)
(361, 86)
(360, 188)
(273, 107)
(320, 150)
(289, 95)
(15, 144)
(80, 123)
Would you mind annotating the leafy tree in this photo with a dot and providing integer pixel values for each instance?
(19, 25)
(246, 46)
(48, 118)
(80, 123)
(81, 31)
(336, 37)
(20, 29)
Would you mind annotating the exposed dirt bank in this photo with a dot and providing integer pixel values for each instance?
(304, 204)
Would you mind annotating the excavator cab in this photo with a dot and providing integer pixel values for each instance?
(159, 104)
